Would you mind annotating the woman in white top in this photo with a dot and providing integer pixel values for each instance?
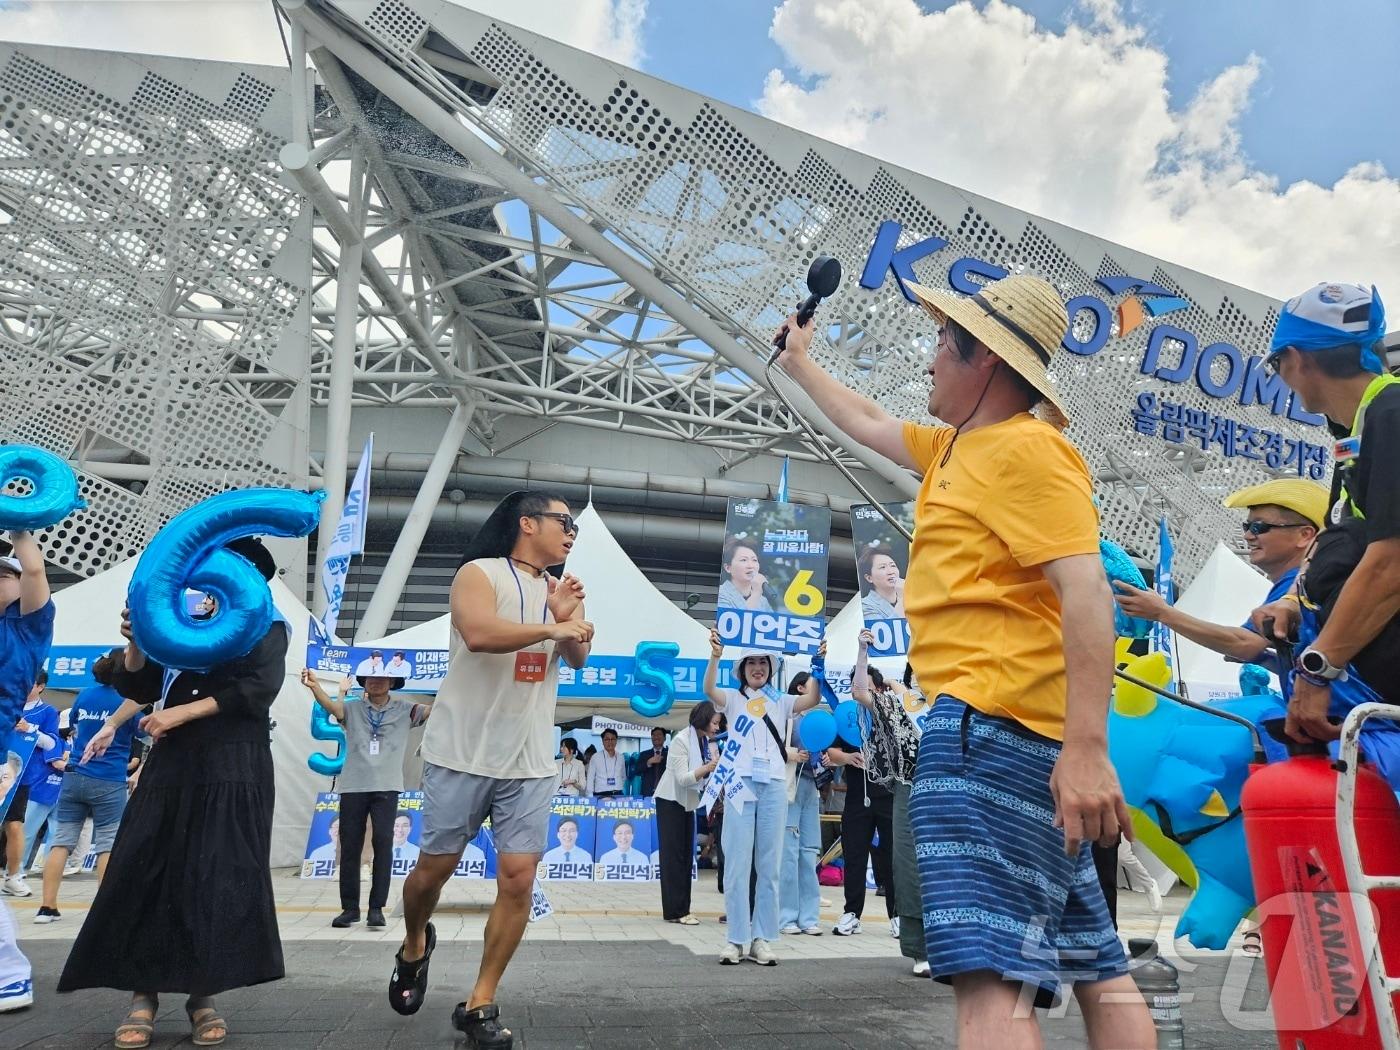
(573, 775)
(752, 834)
(689, 760)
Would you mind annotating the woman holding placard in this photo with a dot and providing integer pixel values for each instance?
(751, 776)
(689, 760)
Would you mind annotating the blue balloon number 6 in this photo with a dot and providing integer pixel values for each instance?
(55, 489)
(189, 554)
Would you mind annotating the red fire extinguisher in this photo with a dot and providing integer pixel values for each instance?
(1314, 951)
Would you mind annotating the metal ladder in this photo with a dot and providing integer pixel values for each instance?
(1383, 986)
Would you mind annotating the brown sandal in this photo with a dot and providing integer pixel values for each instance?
(133, 1025)
(203, 1020)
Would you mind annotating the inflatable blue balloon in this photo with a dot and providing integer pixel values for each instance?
(189, 554)
(817, 730)
(652, 667)
(848, 722)
(55, 489)
(324, 727)
(1121, 568)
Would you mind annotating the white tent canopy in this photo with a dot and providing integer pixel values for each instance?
(89, 613)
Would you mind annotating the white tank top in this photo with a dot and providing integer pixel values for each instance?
(484, 721)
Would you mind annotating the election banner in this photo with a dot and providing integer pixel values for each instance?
(347, 541)
(626, 839)
(408, 826)
(772, 591)
(18, 748)
(323, 838)
(323, 841)
(572, 827)
(540, 908)
(478, 856)
(882, 561)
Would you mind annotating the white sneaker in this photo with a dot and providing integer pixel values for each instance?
(1154, 895)
(732, 955)
(848, 926)
(16, 996)
(921, 969)
(760, 953)
(894, 927)
(790, 928)
(15, 886)
(813, 931)
(69, 870)
(46, 916)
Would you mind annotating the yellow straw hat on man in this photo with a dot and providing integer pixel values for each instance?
(1020, 319)
(1307, 498)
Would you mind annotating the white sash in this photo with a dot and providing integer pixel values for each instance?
(723, 781)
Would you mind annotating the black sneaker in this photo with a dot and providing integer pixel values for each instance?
(376, 917)
(348, 917)
(47, 915)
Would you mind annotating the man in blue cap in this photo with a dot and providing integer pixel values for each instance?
(1328, 348)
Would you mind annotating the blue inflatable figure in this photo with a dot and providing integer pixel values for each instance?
(1183, 769)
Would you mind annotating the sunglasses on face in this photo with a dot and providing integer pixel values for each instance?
(1258, 528)
(566, 521)
(1271, 362)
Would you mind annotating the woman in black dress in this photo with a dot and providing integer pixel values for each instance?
(187, 903)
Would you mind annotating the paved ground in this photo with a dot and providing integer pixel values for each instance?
(604, 972)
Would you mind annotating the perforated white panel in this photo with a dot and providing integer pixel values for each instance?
(142, 236)
(733, 208)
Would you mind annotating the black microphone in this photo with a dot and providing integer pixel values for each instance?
(823, 278)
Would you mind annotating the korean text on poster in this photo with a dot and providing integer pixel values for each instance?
(569, 857)
(772, 591)
(626, 839)
(882, 562)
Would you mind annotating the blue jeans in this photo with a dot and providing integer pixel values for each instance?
(753, 841)
(81, 797)
(34, 818)
(802, 843)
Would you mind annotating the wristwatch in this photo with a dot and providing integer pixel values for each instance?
(1314, 663)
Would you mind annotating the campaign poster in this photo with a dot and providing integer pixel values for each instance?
(625, 839)
(323, 840)
(408, 826)
(478, 856)
(569, 857)
(772, 588)
(422, 670)
(882, 561)
(18, 748)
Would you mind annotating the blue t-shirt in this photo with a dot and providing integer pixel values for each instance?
(44, 718)
(93, 707)
(45, 792)
(24, 646)
(1269, 659)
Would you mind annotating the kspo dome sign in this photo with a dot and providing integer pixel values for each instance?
(1244, 379)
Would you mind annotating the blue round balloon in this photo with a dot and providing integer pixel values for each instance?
(817, 730)
(190, 554)
(848, 722)
(54, 486)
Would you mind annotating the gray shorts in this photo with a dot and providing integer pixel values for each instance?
(456, 803)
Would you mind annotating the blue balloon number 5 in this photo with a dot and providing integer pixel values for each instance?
(189, 554)
(652, 668)
(54, 485)
(324, 727)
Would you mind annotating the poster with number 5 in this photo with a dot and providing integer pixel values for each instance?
(772, 590)
(882, 560)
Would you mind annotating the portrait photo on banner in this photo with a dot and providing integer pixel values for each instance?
(572, 829)
(773, 570)
(626, 839)
(882, 561)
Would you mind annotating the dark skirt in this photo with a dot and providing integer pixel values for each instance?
(186, 905)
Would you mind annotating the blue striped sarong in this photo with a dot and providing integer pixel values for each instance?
(998, 891)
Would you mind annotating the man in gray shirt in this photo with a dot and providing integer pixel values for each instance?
(376, 739)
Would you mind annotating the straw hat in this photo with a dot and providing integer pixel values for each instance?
(1307, 498)
(1020, 319)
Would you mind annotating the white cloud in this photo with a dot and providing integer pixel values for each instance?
(1078, 126)
(246, 30)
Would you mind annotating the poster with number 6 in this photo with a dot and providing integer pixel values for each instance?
(882, 560)
(772, 590)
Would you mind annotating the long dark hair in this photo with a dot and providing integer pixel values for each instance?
(499, 532)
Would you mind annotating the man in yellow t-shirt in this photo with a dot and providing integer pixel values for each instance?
(1012, 623)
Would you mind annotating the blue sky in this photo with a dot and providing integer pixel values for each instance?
(1327, 97)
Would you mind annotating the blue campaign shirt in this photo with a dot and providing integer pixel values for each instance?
(92, 707)
(44, 718)
(45, 792)
(24, 646)
(1284, 584)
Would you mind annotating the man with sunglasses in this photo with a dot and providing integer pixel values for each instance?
(1283, 518)
(1328, 348)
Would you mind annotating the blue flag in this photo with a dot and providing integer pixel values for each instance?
(1162, 583)
(349, 540)
(783, 482)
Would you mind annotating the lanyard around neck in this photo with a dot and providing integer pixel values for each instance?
(521, 591)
